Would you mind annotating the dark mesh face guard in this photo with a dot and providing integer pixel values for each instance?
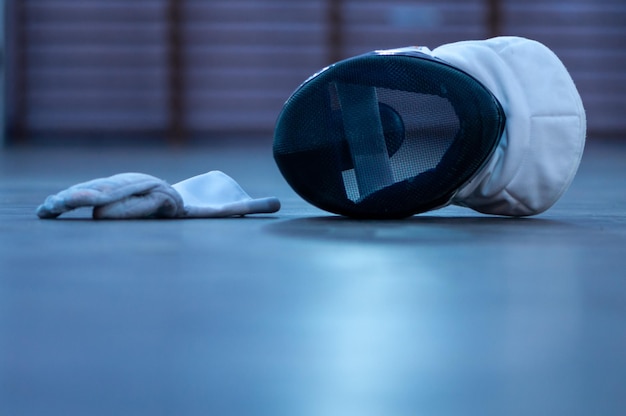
(386, 135)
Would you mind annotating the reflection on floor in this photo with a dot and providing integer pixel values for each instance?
(302, 312)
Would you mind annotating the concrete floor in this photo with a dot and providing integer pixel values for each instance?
(303, 313)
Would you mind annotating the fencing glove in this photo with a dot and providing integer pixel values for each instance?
(137, 195)
(495, 125)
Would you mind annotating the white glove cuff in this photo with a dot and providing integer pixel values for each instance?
(215, 194)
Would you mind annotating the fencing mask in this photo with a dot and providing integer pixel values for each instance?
(494, 125)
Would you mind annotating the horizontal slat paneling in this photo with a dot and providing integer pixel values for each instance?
(254, 35)
(246, 79)
(99, 100)
(590, 38)
(244, 58)
(83, 34)
(104, 79)
(60, 12)
(96, 65)
(413, 16)
(390, 24)
(558, 14)
(242, 11)
(62, 121)
(102, 65)
(594, 60)
(98, 56)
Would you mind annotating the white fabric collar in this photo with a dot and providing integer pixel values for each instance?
(543, 141)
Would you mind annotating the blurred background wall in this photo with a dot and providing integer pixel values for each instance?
(183, 70)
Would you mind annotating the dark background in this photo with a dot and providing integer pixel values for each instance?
(196, 70)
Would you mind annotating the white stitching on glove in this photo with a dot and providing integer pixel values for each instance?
(137, 195)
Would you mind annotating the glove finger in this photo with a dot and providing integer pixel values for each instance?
(97, 192)
(156, 204)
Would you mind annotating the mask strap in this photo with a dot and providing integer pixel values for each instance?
(364, 132)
